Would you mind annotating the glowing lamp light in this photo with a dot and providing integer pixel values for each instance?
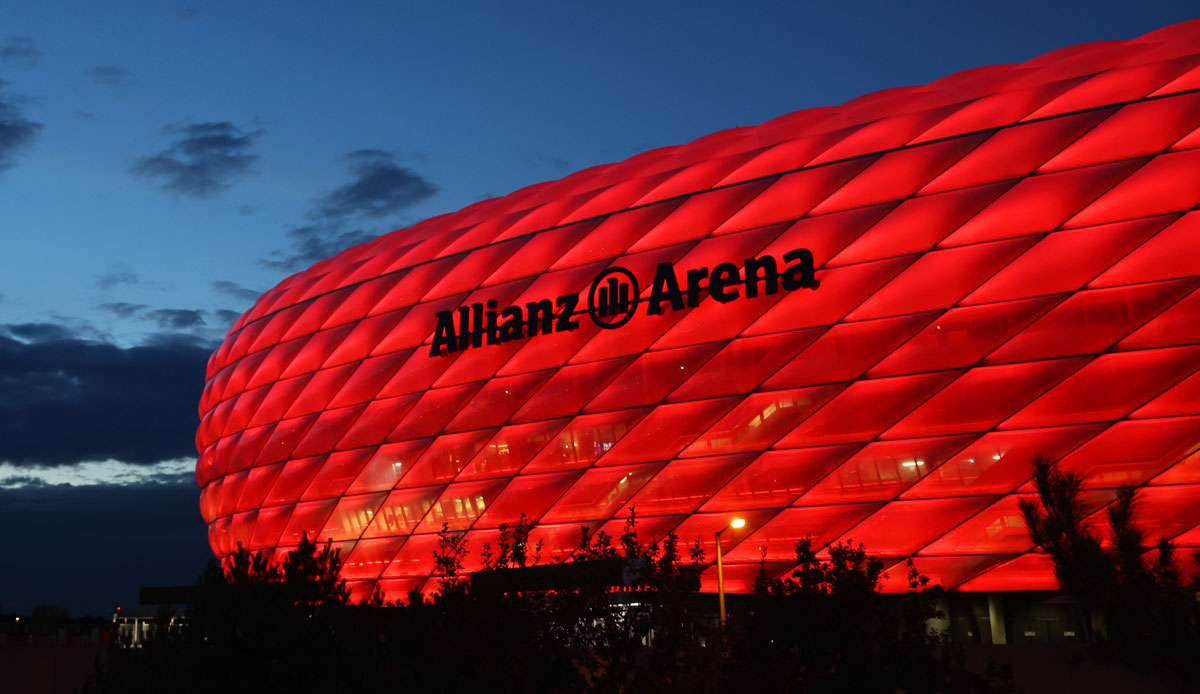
(737, 523)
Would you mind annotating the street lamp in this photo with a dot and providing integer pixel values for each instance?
(736, 524)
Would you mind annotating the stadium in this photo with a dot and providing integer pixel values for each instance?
(852, 322)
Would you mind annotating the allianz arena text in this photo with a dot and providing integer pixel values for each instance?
(859, 321)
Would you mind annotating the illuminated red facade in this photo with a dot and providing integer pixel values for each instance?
(1008, 263)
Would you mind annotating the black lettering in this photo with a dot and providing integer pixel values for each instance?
(770, 276)
(476, 325)
(803, 273)
(443, 334)
(464, 327)
(568, 302)
(666, 288)
(724, 276)
(489, 322)
(541, 316)
(513, 327)
(693, 285)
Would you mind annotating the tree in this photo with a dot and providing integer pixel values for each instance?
(1144, 611)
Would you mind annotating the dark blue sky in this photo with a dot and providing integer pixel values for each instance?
(161, 164)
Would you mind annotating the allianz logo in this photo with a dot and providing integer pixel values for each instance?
(614, 299)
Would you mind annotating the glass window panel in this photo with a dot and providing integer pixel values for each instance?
(584, 440)
(274, 361)
(902, 527)
(947, 572)
(1170, 253)
(527, 494)
(898, 174)
(539, 252)
(615, 234)
(447, 455)
(278, 400)
(569, 389)
(244, 407)
(1131, 452)
(743, 364)
(684, 484)
(792, 195)
(600, 492)
(230, 490)
(703, 527)
(780, 534)
(846, 350)
(827, 234)
(377, 421)
(369, 558)
(294, 479)
(433, 411)
(316, 351)
(1168, 183)
(258, 483)
(369, 378)
(362, 338)
(284, 439)
(996, 529)
(308, 518)
(1014, 152)
(650, 377)
(415, 558)
(704, 174)
(666, 431)
(337, 472)
(896, 130)
(999, 461)
(1138, 129)
(918, 224)
(842, 288)
(1093, 319)
(1186, 471)
(473, 268)
(1183, 398)
(1109, 387)
(940, 278)
(785, 156)
(330, 426)
(699, 215)
(461, 503)
(1041, 203)
(497, 400)
(268, 526)
(1043, 270)
(1163, 513)
(1175, 326)
(511, 447)
(350, 517)
(402, 511)
(882, 470)
(759, 420)
(416, 325)
(387, 464)
(776, 478)
(864, 409)
(549, 351)
(319, 390)
(982, 397)
(713, 320)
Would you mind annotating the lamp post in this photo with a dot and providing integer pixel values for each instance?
(736, 524)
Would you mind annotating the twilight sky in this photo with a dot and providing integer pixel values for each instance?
(161, 164)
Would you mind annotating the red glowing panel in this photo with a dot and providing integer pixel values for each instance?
(1000, 264)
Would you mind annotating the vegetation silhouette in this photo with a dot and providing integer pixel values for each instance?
(1142, 607)
(618, 615)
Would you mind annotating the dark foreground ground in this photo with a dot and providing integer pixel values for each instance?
(63, 668)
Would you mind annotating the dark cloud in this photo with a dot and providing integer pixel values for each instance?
(177, 318)
(380, 188)
(225, 317)
(536, 160)
(236, 291)
(112, 279)
(203, 160)
(109, 75)
(16, 132)
(126, 536)
(68, 400)
(310, 244)
(123, 309)
(19, 49)
(40, 332)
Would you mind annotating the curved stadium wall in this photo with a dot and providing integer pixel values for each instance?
(857, 321)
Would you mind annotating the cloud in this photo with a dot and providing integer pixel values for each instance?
(177, 318)
(380, 188)
(203, 161)
(112, 279)
(97, 473)
(40, 332)
(16, 132)
(311, 244)
(236, 291)
(19, 49)
(225, 317)
(123, 309)
(70, 401)
(109, 75)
